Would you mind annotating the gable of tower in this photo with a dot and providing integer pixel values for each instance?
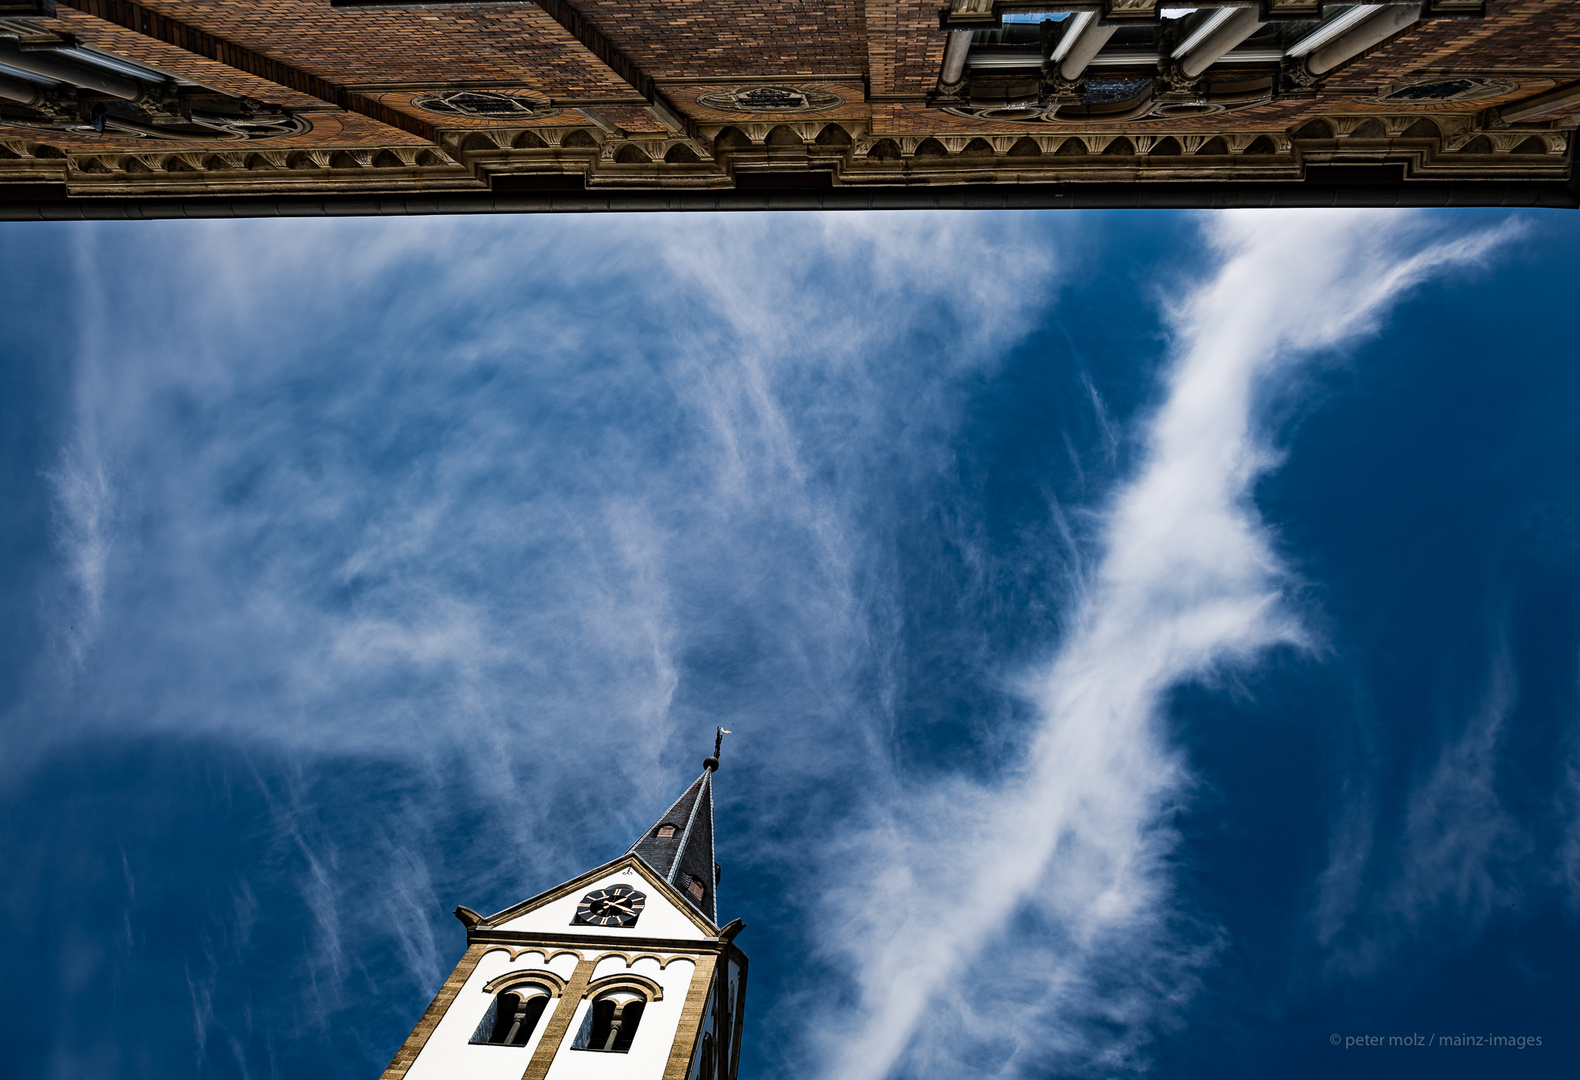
(665, 912)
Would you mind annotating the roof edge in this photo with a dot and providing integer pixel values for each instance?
(1165, 195)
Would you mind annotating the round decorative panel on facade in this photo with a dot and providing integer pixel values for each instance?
(484, 105)
(1440, 91)
(770, 99)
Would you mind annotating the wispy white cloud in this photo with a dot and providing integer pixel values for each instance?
(85, 506)
(568, 493)
(1456, 830)
(1568, 864)
(1449, 857)
(989, 925)
(562, 492)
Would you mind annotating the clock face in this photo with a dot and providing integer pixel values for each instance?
(618, 905)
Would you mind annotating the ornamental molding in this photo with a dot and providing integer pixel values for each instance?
(546, 954)
(484, 105)
(724, 155)
(774, 98)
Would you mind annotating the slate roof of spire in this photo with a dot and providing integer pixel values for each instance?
(689, 853)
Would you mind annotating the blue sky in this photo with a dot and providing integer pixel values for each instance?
(1151, 639)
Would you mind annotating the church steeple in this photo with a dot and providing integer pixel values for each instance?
(679, 846)
(628, 958)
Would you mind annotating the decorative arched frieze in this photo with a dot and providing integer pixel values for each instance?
(631, 959)
(546, 955)
(1318, 128)
(885, 150)
(833, 135)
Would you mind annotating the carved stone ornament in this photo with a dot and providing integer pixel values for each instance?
(770, 99)
(1109, 100)
(60, 116)
(1439, 90)
(484, 105)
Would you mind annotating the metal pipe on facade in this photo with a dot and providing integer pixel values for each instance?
(57, 65)
(1565, 99)
(1332, 29)
(1080, 43)
(955, 56)
(1200, 54)
(20, 91)
(1382, 25)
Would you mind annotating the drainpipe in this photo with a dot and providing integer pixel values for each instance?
(1220, 33)
(955, 56)
(1079, 44)
(50, 64)
(1382, 25)
(1565, 99)
(20, 91)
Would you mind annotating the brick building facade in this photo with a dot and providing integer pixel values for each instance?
(175, 107)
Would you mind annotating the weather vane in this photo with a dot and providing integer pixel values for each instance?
(712, 763)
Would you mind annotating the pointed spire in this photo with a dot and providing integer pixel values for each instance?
(679, 846)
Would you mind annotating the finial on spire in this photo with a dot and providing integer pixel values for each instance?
(712, 763)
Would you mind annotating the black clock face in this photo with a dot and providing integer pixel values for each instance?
(618, 905)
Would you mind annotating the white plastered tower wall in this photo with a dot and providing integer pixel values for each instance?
(671, 957)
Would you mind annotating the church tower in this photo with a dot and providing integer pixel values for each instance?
(622, 973)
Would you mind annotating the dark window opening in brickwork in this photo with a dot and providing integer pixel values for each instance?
(1427, 91)
(1109, 91)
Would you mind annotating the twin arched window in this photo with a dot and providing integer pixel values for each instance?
(513, 1015)
(611, 1023)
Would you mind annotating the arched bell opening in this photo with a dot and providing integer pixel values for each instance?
(612, 1020)
(512, 1016)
